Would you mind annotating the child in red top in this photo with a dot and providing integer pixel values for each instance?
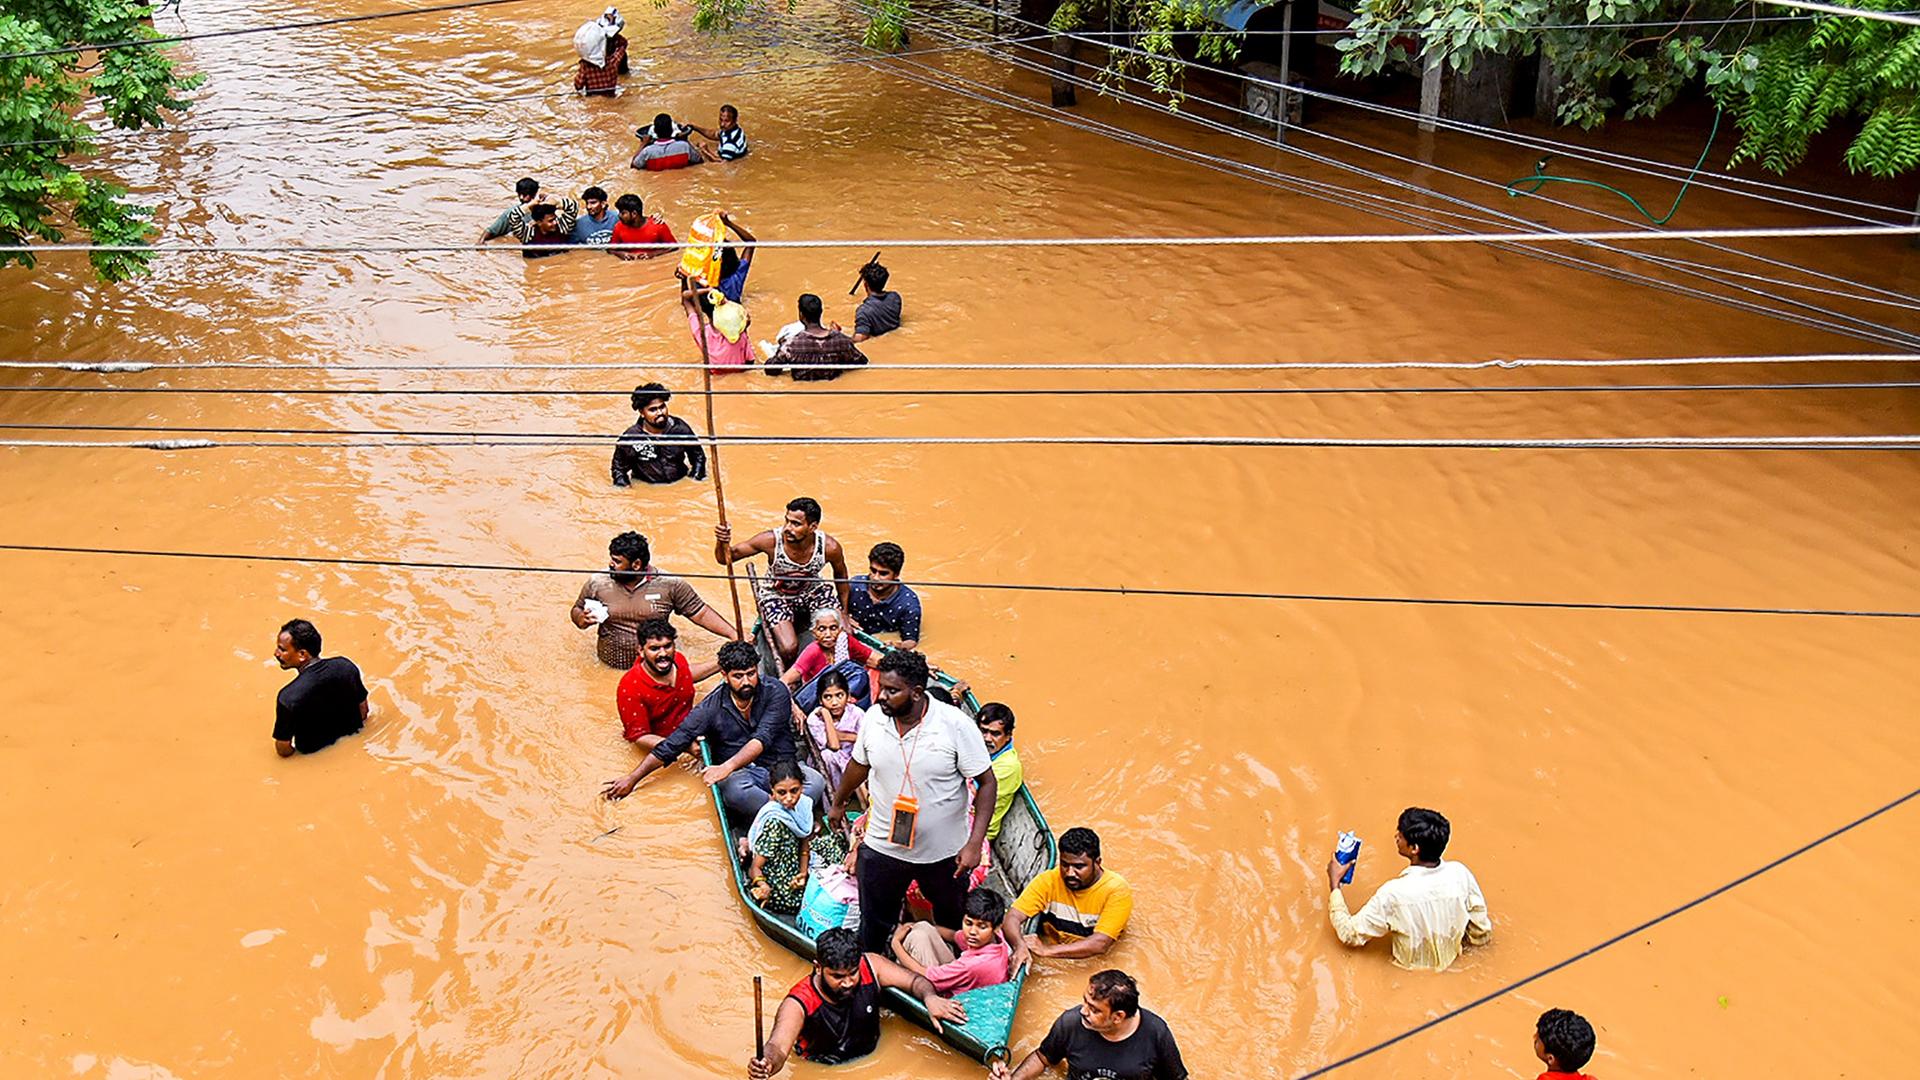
(635, 227)
(1564, 1041)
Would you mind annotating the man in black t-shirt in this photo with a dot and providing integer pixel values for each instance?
(637, 454)
(1109, 1035)
(323, 703)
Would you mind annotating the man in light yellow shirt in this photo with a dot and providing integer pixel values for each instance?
(996, 728)
(1431, 909)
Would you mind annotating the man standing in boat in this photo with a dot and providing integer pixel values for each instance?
(833, 1015)
(916, 758)
(796, 554)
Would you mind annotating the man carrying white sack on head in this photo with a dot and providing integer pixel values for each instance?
(603, 54)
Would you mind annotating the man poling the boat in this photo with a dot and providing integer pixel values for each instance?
(796, 553)
(833, 1015)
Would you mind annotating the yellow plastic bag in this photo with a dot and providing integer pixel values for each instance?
(700, 259)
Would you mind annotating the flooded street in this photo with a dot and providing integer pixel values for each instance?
(436, 898)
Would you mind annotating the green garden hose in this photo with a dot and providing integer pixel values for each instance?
(1540, 179)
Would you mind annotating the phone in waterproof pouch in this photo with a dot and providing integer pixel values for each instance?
(906, 812)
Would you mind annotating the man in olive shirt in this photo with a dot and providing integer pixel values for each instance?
(633, 591)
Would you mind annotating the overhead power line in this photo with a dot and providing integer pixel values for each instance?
(1400, 210)
(781, 390)
(1283, 240)
(1673, 170)
(1837, 321)
(302, 438)
(1616, 939)
(1001, 586)
(1515, 364)
(174, 39)
(1901, 17)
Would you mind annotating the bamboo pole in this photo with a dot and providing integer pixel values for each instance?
(719, 489)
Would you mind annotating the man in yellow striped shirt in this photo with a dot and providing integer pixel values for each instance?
(1431, 909)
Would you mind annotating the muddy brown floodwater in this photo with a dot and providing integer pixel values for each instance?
(429, 900)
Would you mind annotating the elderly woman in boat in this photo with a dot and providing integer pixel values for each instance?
(832, 646)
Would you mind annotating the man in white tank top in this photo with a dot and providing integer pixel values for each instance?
(793, 589)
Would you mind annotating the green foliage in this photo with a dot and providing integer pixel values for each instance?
(1157, 21)
(1783, 82)
(40, 96)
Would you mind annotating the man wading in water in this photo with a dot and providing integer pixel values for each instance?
(833, 1015)
(796, 553)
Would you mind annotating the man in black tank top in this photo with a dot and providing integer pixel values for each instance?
(833, 1015)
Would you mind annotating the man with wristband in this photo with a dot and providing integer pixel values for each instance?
(915, 758)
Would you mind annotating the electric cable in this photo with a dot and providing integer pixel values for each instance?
(1512, 364)
(1001, 586)
(920, 392)
(1894, 299)
(1879, 334)
(300, 438)
(1880, 331)
(1532, 142)
(1616, 939)
(1807, 232)
(174, 39)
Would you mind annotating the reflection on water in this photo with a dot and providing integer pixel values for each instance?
(437, 899)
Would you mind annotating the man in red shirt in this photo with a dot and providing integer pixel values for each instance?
(1563, 1041)
(635, 227)
(656, 693)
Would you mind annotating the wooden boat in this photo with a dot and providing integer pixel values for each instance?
(1024, 849)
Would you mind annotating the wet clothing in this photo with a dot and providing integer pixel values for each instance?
(1429, 910)
(1148, 1054)
(654, 596)
(588, 229)
(646, 707)
(791, 588)
(603, 78)
(518, 222)
(734, 285)
(806, 353)
(731, 143)
(545, 244)
(663, 154)
(899, 613)
(837, 1032)
(877, 314)
(651, 231)
(1101, 908)
(320, 705)
(721, 353)
(640, 455)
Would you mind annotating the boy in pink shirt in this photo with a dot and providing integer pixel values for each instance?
(926, 949)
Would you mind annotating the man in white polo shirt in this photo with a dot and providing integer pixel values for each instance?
(915, 758)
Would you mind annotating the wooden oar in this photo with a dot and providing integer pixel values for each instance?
(713, 437)
(759, 1022)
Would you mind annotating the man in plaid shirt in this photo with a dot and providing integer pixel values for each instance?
(604, 79)
(814, 344)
